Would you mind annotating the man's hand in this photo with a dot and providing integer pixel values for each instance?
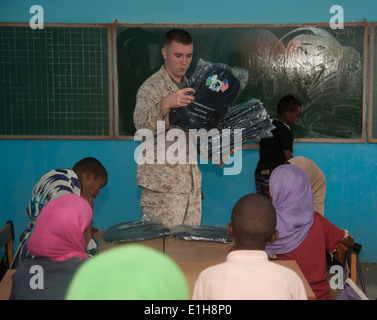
(179, 99)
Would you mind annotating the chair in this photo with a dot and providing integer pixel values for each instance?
(340, 254)
(6, 241)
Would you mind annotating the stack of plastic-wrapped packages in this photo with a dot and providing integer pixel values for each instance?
(217, 86)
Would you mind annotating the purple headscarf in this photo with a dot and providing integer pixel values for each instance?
(292, 198)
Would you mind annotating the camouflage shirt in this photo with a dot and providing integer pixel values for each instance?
(166, 177)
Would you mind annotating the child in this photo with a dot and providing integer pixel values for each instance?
(86, 179)
(247, 274)
(58, 244)
(304, 235)
(131, 272)
(317, 181)
(278, 149)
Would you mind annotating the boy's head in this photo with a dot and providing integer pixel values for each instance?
(289, 109)
(253, 223)
(92, 175)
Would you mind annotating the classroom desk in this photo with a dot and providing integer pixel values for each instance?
(192, 270)
(157, 244)
(196, 251)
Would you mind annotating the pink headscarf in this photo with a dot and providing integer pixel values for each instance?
(59, 229)
(292, 199)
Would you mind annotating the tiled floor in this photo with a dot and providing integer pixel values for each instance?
(369, 271)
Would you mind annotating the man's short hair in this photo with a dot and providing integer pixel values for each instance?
(177, 35)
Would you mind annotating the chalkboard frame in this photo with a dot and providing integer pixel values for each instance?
(110, 134)
(371, 138)
(364, 24)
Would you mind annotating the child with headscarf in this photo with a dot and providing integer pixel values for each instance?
(317, 181)
(304, 235)
(57, 245)
(87, 177)
(130, 272)
(247, 274)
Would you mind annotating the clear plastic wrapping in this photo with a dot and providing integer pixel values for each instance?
(133, 231)
(202, 233)
(245, 122)
(216, 88)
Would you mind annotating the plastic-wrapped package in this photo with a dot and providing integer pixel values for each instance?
(132, 231)
(216, 88)
(202, 233)
(249, 116)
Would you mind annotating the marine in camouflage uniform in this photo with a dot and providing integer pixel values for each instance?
(171, 192)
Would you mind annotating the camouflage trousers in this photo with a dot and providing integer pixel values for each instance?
(172, 209)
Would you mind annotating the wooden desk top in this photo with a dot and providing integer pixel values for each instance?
(192, 270)
(196, 251)
(157, 244)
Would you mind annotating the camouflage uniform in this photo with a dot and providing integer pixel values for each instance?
(171, 192)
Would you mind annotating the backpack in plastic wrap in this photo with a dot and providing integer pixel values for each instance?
(216, 88)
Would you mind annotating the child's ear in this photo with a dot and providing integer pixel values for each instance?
(230, 230)
(274, 236)
(88, 175)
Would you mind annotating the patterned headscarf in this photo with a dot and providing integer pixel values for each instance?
(51, 185)
(59, 230)
(293, 201)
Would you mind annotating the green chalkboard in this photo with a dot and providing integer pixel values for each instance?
(326, 69)
(372, 103)
(55, 82)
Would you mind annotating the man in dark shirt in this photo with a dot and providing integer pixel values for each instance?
(278, 149)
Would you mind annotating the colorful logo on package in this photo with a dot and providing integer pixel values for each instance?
(215, 84)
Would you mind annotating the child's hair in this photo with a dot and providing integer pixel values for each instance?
(177, 35)
(288, 103)
(90, 164)
(253, 220)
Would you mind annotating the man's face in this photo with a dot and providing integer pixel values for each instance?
(177, 58)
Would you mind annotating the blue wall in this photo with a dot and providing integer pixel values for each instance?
(350, 169)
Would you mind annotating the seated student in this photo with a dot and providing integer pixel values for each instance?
(317, 181)
(304, 235)
(58, 245)
(247, 273)
(85, 179)
(131, 272)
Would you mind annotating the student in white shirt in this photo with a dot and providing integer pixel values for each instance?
(247, 274)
